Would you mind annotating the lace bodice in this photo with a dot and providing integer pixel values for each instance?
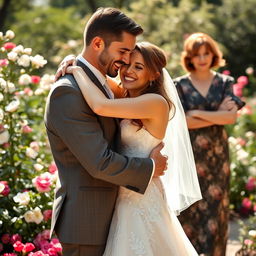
(136, 141)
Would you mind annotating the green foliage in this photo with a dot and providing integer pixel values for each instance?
(167, 26)
(26, 184)
(235, 29)
(46, 29)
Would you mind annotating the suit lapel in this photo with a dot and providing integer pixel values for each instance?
(95, 81)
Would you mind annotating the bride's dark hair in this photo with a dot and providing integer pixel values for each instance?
(155, 60)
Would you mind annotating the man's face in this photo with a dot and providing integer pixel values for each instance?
(116, 54)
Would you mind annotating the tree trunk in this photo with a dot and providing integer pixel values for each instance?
(3, 13)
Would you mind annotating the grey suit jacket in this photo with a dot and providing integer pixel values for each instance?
(84, 147)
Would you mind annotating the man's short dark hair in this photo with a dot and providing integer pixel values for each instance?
(109, 23)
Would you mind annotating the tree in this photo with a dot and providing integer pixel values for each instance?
(235, 29)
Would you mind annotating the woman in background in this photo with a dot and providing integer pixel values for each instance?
(209, 103)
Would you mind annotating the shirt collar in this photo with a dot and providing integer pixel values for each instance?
(95, 71)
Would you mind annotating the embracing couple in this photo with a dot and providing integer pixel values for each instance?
(114, 196)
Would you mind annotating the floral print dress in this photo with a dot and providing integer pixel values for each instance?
(206, 222)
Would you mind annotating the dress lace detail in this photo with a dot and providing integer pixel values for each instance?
(143, 225)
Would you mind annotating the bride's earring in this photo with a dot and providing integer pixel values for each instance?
(150, 83)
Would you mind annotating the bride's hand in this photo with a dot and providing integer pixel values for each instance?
(72, 69)
(62, 69)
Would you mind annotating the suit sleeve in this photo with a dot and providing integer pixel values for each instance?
(70, 118)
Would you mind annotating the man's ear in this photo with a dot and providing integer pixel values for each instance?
(97, 43)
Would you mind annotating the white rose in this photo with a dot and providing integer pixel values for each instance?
(31, 153)
(11, 87)
(252, 233)
(38, 167)
(9, 34)
(24, 60)
(18, 49)
(1, 96)
(39, 91)
(38, 216)
(4, 137)
(249, 134)
(2, 186)
(46, 82)
(3, 83)
(25, 79)
(38, 61)
(249, 71)
(13, 56)
(27, 51)
(252, 170)
(12, 106)
(29, 216)
(22, 198)
(1, 115)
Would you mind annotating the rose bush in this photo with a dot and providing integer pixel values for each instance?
(27, 173)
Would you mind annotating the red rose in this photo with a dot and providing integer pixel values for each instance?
(5, 238)
(35, 79)
(9, 46)
(15, 238)
(6, 190)
(18, 246)
(28, 247)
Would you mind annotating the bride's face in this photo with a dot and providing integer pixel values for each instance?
(135, 76)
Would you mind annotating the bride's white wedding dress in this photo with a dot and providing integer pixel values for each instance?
(143, 225)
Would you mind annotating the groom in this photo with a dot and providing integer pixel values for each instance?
(84, 145)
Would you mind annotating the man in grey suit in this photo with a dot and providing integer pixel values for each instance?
(85, 145)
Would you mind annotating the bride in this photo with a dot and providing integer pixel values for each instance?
(146, 225)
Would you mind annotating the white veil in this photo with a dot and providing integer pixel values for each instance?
(180, 181)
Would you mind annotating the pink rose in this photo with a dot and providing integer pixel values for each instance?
(241, 141)
(38, 253)
(47, 215)
(43, 182)
(52, 168)
(46, 234)
(26, 129)
(18, 246)
(28, 247)
(45, 246)
(226, 72)
(248, 242)
(4, 62)
(5, 238)
(56, 244)
(247, 203)
(243, 80)
(251, 184)
(6, 190)
(28, 91)
(34, 145)
(238, 90)
(9, 46)
(35, 79)
(15, 238)
(10, 254)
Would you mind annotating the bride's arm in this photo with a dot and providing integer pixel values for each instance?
(147, 106)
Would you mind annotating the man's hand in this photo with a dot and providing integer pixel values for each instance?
(67, 61)
(160, 160)
(227, 104)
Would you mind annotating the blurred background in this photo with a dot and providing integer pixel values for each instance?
(54, 27)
